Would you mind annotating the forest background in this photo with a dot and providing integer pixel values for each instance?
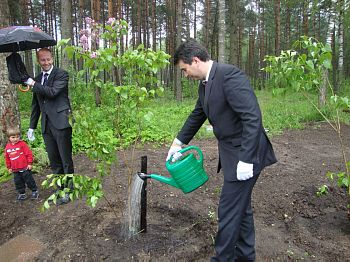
(124, 87)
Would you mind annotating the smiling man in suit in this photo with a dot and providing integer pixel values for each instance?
(228, 101)
(51, 101)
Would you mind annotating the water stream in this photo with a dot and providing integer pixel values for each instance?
(133, 215)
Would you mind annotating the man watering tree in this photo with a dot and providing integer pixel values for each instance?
(228, 101)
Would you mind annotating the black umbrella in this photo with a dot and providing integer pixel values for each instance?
(20, 38)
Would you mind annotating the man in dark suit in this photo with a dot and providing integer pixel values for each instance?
(227, 100)
(50, 100)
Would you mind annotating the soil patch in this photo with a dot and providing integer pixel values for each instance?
(292, 223)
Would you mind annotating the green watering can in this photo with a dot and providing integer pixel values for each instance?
(187, 173)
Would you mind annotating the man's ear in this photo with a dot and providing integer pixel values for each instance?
(195, 60)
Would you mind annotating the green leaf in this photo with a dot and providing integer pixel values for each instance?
(46, 204)
(327, 64)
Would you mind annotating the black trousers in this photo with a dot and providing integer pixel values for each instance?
(23, 178)
(58, 144)
(235, 239)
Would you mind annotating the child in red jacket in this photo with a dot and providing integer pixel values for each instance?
(19, 159)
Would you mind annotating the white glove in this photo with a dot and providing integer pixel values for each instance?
(174, 150)
(30, 134)
(30, 81)
(244, 170)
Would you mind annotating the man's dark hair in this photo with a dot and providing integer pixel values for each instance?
(189, 49)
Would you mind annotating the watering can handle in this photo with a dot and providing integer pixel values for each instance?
(194, 148)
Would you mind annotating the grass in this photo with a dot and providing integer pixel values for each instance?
(289, 111)
(279, 112)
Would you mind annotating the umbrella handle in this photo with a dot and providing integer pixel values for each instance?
(23, 89)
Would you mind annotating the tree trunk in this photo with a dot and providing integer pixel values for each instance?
(207, 23)
(305, 18)
(195, 20)
(139, 22)
(233, 11)
(277, 9)
(154, 25)
(170, 38)
(340, 40)
(323, 90)
(9, 111)
(251, 53)
(221, 31)
(66, 28)
(262, 46)
(287, 28)
(95, 10)
(178, 88)
(110, 9)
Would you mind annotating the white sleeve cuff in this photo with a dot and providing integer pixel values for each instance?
(178, 142)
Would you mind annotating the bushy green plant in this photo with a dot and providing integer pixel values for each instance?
(305, 72)
(139, 84)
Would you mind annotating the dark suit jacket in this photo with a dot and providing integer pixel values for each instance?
(51, 101)
(229, 103)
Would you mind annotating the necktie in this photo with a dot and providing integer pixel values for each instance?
(45, 79)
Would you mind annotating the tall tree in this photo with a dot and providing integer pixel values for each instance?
(9, 111)
(221, 30)
(277, 9)
(233, 25)
(66, 27)
(305, 18)
(340, 7)
(262, 46)
(154, 25)
(178, 89)
(96, 15)
(207, 22)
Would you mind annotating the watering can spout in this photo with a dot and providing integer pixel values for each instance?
(143, 176)
(159, 178)
(166, 180)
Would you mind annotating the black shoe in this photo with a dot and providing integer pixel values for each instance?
(35, 194)
(63, 200)
(21, 197)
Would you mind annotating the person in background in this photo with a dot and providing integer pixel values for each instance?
(228, 101)
(51, 101)
(19, 160)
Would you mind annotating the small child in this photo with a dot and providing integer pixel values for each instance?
(19, 159)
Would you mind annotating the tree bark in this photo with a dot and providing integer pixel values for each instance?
(233, 11)
(66, 28)
(154, 25)
(221, 31)
(305, 18)
(178, 88)
(262, 46)
(9, 111)
(277, 9)
(95, 10)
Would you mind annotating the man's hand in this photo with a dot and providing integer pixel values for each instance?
(244, 171)
(30, 134)
(29, 167)
(30, 82)
(174, 150)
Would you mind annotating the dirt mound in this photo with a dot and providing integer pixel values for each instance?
(292, 223)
